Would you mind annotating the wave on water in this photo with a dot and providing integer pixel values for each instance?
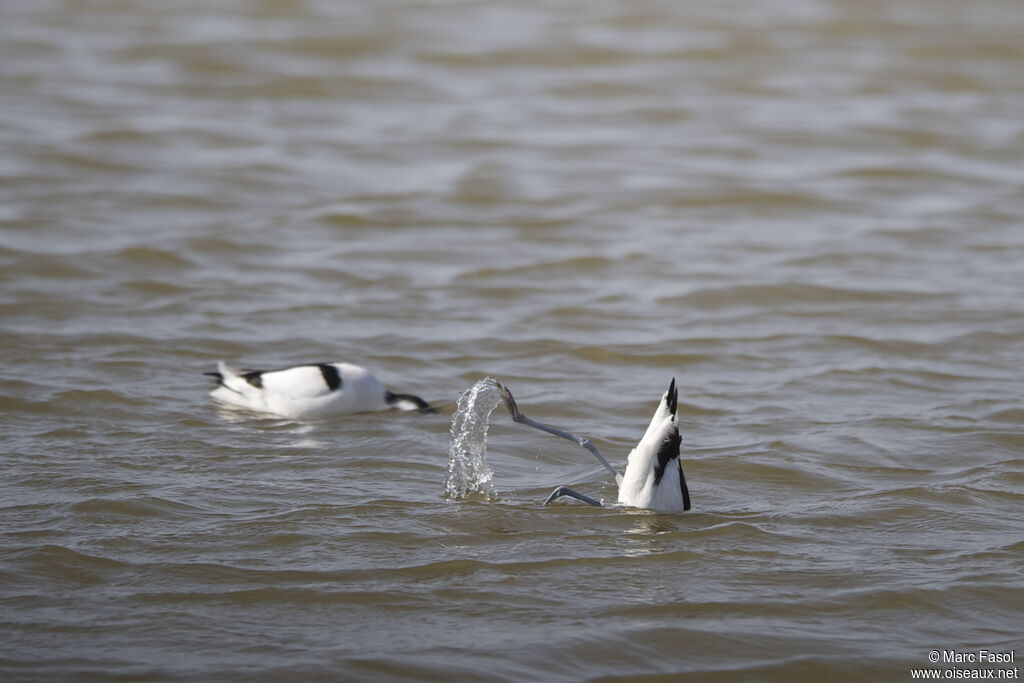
(468, 471)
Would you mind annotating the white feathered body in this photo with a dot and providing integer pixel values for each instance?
(305, 391)
(654, 478)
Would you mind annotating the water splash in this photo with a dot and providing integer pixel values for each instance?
(468, 471)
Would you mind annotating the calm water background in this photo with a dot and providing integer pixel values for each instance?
(810, 212)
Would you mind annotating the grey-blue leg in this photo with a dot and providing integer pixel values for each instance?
(517, 416)
(566, 491)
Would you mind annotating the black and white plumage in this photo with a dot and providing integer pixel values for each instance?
(313, 390)
(654, 478)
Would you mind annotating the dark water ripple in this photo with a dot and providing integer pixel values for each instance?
(809, 213)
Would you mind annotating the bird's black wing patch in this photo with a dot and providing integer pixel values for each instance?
(331, 376)
(668, 451)
(682, 485)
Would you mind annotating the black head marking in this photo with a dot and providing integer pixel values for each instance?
(667, 452)
(394, 399)
(672, 400)
(254, 378)
(331, 376)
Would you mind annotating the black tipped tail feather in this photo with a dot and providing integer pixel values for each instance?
(253, 377)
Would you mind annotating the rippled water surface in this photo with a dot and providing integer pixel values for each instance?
(809, 212)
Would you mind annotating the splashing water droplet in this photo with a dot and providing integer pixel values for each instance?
(468, 471)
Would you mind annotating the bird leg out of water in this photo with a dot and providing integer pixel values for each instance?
(517, 416)
(566, 491)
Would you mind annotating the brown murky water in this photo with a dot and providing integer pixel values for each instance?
(809, 212)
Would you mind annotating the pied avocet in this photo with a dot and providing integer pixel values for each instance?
(653, 479)
(313, 390)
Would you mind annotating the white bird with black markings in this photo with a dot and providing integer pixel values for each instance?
(653, 479)
(314, 390)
